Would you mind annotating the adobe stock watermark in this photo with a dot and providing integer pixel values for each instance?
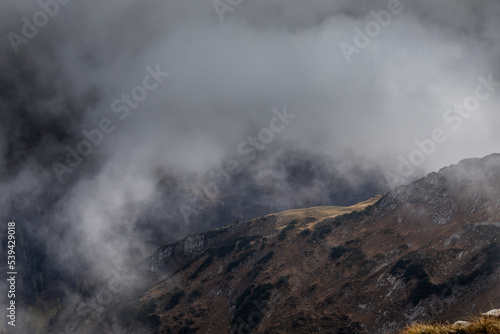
(372, 29)
(11, 273)
(454, 118)
(223, 6)
(122, 107)
(247, 151)
(31, 27)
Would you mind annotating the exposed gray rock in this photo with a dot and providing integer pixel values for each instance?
(495, 313)
(461, 323)
(194, 243)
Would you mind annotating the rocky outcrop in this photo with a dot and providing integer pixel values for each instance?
(495, 313)
(169, 256)
(468, 187)
(461, 323)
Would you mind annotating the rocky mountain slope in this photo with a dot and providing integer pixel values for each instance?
(426, 251)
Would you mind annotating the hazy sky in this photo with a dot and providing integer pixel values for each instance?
(347, 83)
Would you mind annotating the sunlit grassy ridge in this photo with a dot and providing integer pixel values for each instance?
(321, 212)
(478, 325)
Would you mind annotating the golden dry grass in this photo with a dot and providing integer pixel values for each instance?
(478, 325)
(321, 212)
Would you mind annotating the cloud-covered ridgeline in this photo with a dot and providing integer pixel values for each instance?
(133, 190)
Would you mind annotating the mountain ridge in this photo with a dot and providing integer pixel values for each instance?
(424, 251)
(416, 253)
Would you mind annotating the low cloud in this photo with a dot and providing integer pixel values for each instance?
(225, 78)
